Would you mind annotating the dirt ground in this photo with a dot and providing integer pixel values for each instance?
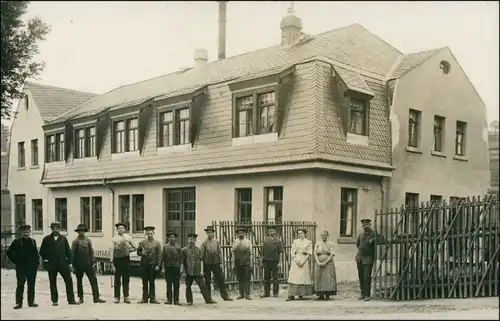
(344, 306)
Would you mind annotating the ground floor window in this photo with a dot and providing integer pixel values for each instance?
(131, 208)
(37, 212)
(274, 204)
(244, 205)
(348, 208)
(19, 209)
(91, 213)
(61, 206)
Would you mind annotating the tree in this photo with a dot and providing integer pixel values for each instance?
(19, 46)
(4, 138)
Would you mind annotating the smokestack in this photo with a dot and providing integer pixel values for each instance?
(222, 30)
(200, 57)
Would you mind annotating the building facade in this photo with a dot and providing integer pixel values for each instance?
(314, 129)
(494, 138)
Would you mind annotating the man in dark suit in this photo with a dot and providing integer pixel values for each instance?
(23, 252)
(56, 256)
(365, 258)
(172, 260)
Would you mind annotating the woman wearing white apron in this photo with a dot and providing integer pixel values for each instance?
(299, 276)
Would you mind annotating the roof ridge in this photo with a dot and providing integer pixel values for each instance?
(428, 50)
(379, 38)
(29, 83)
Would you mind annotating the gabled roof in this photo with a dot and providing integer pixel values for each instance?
(411, 61)
(53, 101)
(352, 45)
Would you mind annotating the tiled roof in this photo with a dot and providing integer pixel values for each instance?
(352, 45)
(411, 61)
(53, 101)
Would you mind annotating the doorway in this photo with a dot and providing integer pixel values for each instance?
(181, 212)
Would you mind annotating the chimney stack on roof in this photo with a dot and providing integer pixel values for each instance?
(222, 30)
(291, 27)
(200, 57)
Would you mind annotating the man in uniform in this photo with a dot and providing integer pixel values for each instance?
(210, 255)
(23, 252)
(82, 254)
(123, 244)
(172, 259)
(191, 255)
(56, 256)
(271, 252)
(365, 258)
(150, 252)
(242, 253)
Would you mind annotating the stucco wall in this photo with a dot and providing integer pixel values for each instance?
(451, 95)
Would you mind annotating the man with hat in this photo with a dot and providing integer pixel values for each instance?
(365, 258)
(242, 253)
(23, 252)
(122, 245)
(56, 256)
(82, 254)
(191, 255)
(150, 252)
(210, 255)
(272, 248)
(172, 260)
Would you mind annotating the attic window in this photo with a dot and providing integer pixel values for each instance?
(26, 102)
(445, 66)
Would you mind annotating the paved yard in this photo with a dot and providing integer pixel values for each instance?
(341, 308)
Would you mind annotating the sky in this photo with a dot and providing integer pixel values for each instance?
(98, 46)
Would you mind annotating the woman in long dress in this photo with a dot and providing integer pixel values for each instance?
(325, 278)
(299, 276)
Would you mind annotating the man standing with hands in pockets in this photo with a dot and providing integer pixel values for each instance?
(150, 252)
(271, 252)
(123, 244)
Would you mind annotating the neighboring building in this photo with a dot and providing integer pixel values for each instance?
(27, 149)
(297, 132)
(494, 138)
(6, 214)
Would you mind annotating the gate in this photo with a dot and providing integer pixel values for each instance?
(225, 233)
(181, 212)
(439, 250)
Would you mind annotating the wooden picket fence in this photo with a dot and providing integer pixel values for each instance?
(256, 231)
(439, 250)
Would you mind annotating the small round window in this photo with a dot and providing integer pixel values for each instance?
(445, 66)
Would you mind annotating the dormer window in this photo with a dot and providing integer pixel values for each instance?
(126, 135)
(358, 120)
(132, 132)
(175, 126)
(54, 148)
(85, 142)
(255, 112)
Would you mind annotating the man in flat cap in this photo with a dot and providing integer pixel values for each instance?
(150, 252)
(172, 260)
(23, 252)
(365, 258)
(56, 256)
(122, 245)
(82, 254)
(272, 248)
(210, 255)
(191, 255)
(242, 253)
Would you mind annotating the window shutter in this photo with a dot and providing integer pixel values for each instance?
(144, 120)
(195, 114)
(68, 140)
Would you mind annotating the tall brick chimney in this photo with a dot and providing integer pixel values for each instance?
(222, 30)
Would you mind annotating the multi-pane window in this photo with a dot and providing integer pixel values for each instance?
(90, 142)
(60, 147)
(412, 213)
(438, 134)
(132, 212)
(20, 209)
(37, 213)
(460, 138)
(61, 206)
(348, 209)
(132, 135)
(80, 144)
(413, 127)
(182, 125)
(34, 152)
(436, 200)
(167, 129)
(175, 127)
(357, 116)
(51, 149)
(96, 214)
(124, 207)
(119, 136)
(255, 114)
(21, 155)
(274, 204)
(244, 205)
(85, 211)
(55, 148)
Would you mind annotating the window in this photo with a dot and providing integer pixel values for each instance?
(119, 135)
(34, 152)
(62, 212)
(274, 204)
(138, 213)
(167, 129)
(80, 145)
(357, 116)
(132, 135)
(85, 211)
(438, 133)
(412, 219)
(51, 149)
(60, 147)
(37, 213)
(21, 155)
(182, 128)
(255, 113)
(413, 127)
(456, 222)
(436, 199)
(411, 199)
(90, 142)
(460, 138)
(96, 214)
(20, 209)
(124, 201)
(348, 207)
(174, 127)
(244, 205)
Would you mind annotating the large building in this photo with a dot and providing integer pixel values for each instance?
(325, 128)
